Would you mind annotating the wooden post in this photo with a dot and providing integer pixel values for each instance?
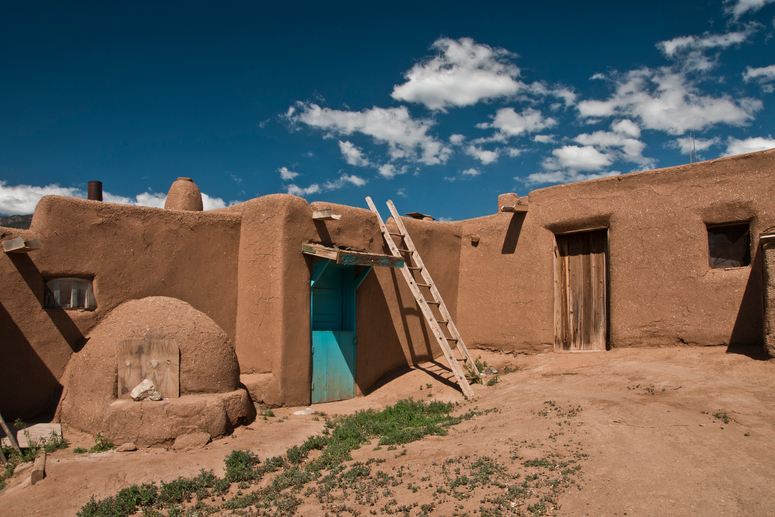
(10, 435)
(38, 468)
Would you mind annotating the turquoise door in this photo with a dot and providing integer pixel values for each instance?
(333, 334)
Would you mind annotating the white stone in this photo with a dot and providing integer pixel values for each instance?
(145, 391)
(308, 411)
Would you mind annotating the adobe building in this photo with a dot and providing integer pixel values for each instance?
(669, 257)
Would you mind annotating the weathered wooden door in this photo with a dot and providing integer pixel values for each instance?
(580, 292)
(333, 335)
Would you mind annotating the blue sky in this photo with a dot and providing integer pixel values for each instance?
(438, 106)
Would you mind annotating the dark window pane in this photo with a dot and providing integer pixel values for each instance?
(729, 246)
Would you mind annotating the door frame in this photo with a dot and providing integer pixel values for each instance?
(558, 299)
(349, 286)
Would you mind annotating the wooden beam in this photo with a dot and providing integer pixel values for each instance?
(19, 245)
(38, 468)
(9, 435)
(514, 208)
(324, 215)
(352, 258)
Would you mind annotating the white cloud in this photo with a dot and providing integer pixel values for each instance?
(287, 175)
(456, 139)
(556, 177)
(390, 171)
(765, 73)
(540, 89)
(618, 144)
(737, 8)
(22, 199)
(508, 123)
(155, 200)
(402, 192)
(684, 144)
(461, 74)
(483, 155)
(665, 100)
(471, 172)
(407, 138)
(513, 151)
(544, 139)
(626, 127)
(688, 50)
(353, 154)
(749, 145)
(566, 94)
(298, 191)
(577, 158)
(343, 180)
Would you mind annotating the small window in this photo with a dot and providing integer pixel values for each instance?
(729, 245)
(69, 293)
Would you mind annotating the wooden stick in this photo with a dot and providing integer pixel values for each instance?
(10, 435)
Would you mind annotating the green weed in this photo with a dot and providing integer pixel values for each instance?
(101, 444)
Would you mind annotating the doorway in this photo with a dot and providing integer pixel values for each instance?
(581, 310)
(333, 333)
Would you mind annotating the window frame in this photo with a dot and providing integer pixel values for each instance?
(745, 260)
(52, 299)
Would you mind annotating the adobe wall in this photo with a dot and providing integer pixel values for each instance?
(273, 320)
(131, 253)
(661, 288)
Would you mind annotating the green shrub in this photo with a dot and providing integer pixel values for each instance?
(101, 444)
(240, 466)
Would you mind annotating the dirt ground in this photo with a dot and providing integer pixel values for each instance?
(633, 430)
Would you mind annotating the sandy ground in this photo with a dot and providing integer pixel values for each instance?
(638, 422)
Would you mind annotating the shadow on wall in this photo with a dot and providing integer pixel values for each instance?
(28, 387)
(746, 338)
(379, 349)
(512, 233)
(59, 317)
(416, 312)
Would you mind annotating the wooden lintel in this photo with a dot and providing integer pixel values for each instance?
(352, 258)
(19, 245)
(514, 208)
(324, 215)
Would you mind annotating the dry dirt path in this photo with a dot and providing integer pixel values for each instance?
(638, 422)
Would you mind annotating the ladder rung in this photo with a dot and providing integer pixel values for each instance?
(404, 251)
(424, 285)
(442, 321)
(397, 234)
(414, 268)
(432, 302)
(451, 339)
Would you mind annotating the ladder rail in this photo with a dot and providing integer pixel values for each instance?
(430, 318)
(434, 291)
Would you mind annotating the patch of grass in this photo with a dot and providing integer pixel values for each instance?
(722, 416)
(404, 422)
(493, 381)
(80, 450)
(240, 466)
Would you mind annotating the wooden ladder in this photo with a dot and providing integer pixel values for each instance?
(435, 324)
